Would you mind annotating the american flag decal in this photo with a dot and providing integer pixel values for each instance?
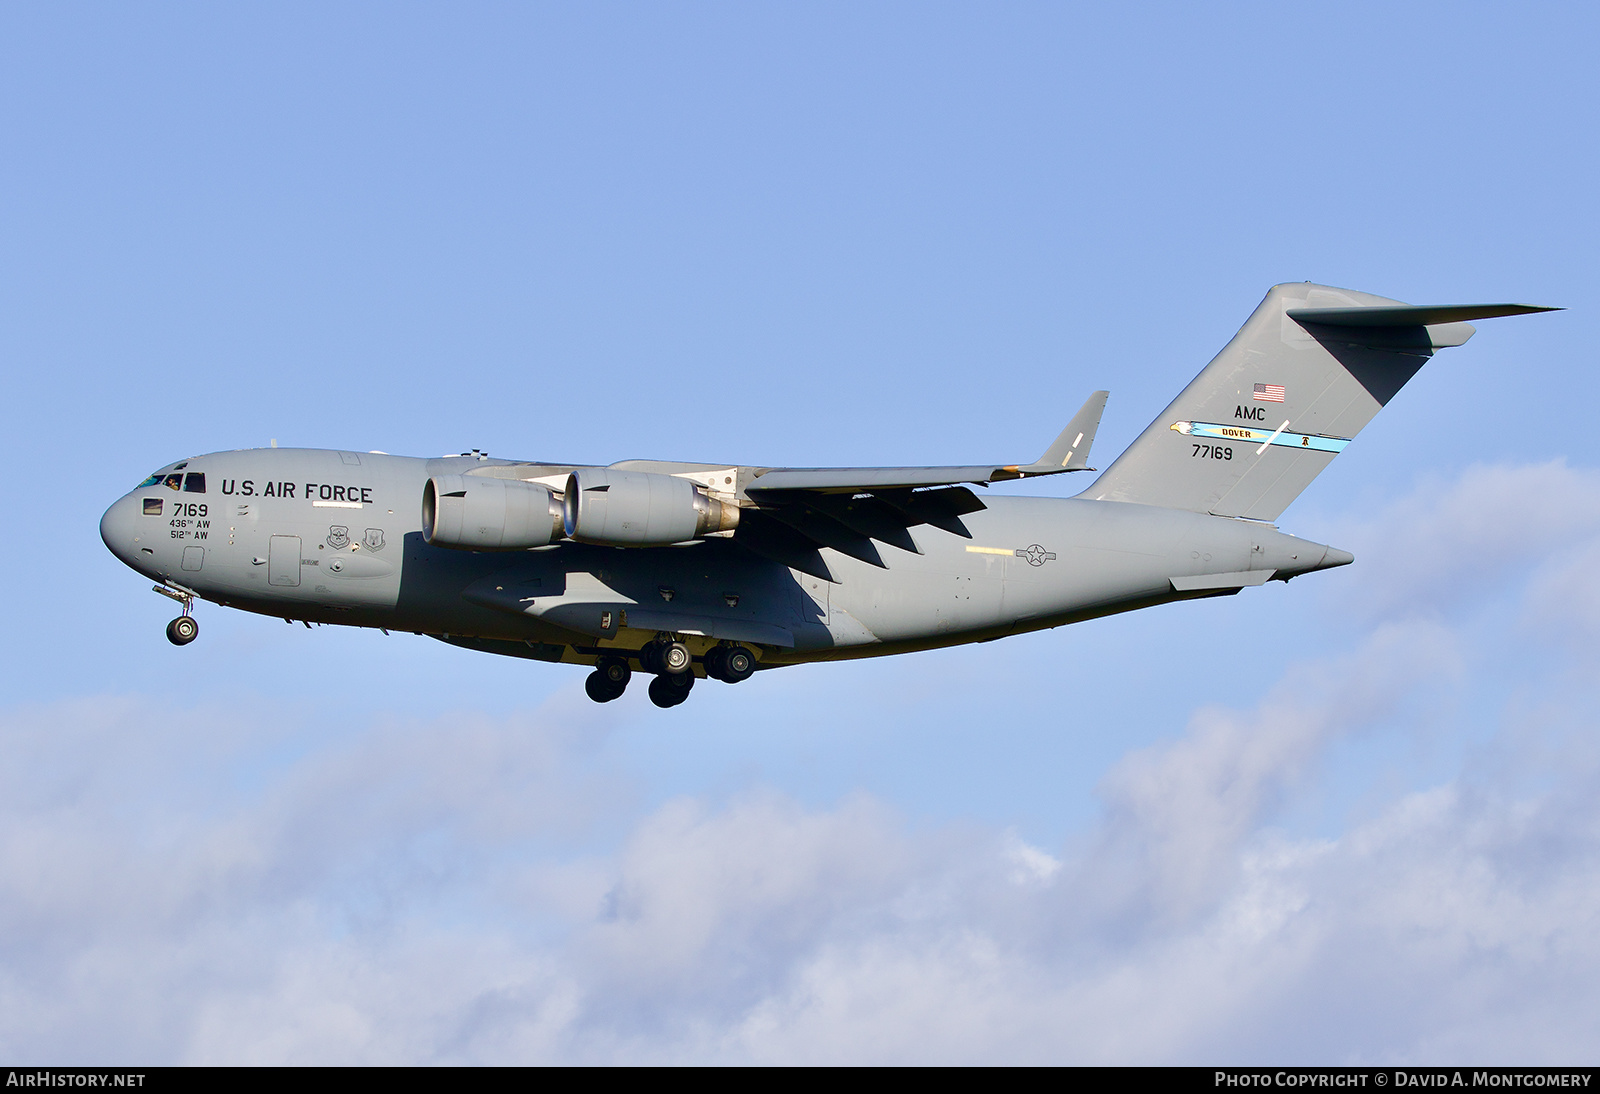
(1269, 393)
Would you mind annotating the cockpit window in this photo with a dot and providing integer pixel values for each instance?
(151, 481)
(173, 481)
(194, 482)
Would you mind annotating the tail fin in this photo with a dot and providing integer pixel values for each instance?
(1308, 370)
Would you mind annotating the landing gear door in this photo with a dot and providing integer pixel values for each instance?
(283, 561)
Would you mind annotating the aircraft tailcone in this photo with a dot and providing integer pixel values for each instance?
(1334, 557)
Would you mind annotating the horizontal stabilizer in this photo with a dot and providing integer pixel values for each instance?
(1406, 315)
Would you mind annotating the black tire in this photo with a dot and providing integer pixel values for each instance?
(615, 670)
(670, 690)
(650, 657)
(675, 658)
(738, 664)
(600, 689)
(183, 630)
(715, 662)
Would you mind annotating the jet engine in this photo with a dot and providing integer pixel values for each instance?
(470, 513)
(640, 509)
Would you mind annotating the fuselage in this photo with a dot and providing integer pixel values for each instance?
(335, 537)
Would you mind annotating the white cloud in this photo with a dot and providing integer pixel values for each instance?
(1451, 543)
(182, 885)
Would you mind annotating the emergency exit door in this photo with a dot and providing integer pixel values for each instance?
(283, 561)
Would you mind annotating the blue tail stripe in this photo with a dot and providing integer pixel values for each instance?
(1309, 442)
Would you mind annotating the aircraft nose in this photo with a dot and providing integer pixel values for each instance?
(118, 528)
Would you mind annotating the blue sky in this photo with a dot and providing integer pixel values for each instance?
(829, 234)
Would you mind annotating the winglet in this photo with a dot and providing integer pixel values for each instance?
(1070, 452)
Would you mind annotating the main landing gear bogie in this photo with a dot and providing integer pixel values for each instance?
(671, 667)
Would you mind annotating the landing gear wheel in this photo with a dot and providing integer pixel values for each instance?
(675, 658)
(730, 664)
(738, 664)
(664, 657)
(182, 630)
(669, 691)
(615, 671)
(601, 689)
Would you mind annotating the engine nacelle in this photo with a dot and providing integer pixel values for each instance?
(640, 509)
(470, 513)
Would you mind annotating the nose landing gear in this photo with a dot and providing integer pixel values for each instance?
(184, 629)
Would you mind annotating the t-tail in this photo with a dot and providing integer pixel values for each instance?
(1308, 370)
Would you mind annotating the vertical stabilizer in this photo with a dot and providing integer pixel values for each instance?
(1310, 368)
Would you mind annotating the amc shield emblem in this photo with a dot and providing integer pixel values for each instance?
(338, 537)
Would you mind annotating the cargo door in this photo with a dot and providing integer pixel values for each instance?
(283, 561)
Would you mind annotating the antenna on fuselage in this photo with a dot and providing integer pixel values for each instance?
(274, 442)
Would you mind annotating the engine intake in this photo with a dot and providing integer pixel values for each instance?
(469, 513)
(640, 509)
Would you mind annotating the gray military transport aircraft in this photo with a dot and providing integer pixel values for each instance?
(689, 570)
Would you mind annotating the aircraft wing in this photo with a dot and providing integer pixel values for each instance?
(800, 510)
